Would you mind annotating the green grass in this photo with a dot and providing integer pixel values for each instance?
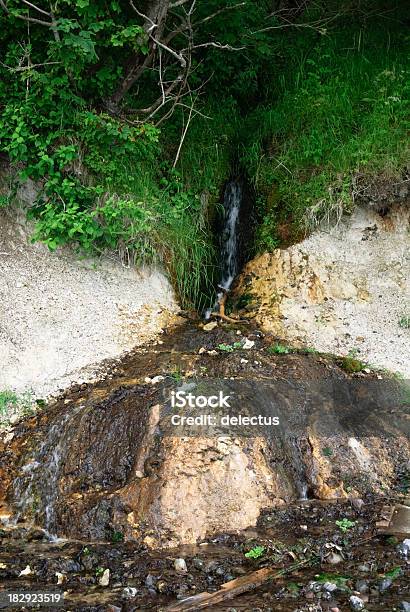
(404, 322)
(279, 349)
(342, 112)
(13, 404)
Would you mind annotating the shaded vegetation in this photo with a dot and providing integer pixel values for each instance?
(305, 102)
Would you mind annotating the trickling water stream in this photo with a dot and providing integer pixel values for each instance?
(229, 263)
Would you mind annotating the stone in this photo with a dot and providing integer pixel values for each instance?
(180, 566)
(363, 567)
(210, 326)
(385, 584)
(157, 379)
(405, 606)
(334, 558)
(404, 548)
(26, 571)
(150, 581)
(61, 578)
(356, 603)
(105, 578)
(362, 586)
(357, 503)
(129, 592)
(248, 344)
(330, 587)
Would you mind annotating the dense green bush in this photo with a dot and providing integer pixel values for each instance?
(300, 110)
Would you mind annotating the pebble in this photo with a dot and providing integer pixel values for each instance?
(248, 344)
(210, 326)
(334, 558)
(150, 581)
(180, 566)
(404, 548)
(363, 567)
(362, 586)
(61, 578)
(385, 584)
(198, 563)
(26, 571)
(356, 603)
(330, 587)
(129, 592)
(105, 578)
(357, 503)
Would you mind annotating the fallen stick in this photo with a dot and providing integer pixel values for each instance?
(234, 587)
(221, 314)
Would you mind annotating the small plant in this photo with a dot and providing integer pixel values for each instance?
(7, 399)
(279, 349)
(394, 573)
(327, 451)
(117, 536)
(12, 405)
(229, 348)
(404, 322)
(345, 524)
(176, 374)
(351, 364)
(255, 552)
(99, 571)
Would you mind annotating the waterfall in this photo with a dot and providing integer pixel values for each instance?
(229, 239)
(36, 488)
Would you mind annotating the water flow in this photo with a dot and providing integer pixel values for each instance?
(230, 243)
(37, 486)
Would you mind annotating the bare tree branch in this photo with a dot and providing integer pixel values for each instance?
(36, 8)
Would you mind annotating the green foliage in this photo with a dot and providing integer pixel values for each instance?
(345, 524)
(340, 113)
(351, 365)
(394, 573)
(302, 111)
(279, 349)
(229, 348)
(255, 552)
(12, 405)
(404, 322)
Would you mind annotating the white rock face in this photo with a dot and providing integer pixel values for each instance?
(341, 289)
(60, 315)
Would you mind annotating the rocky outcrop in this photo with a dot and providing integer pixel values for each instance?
(102, 459)
(342, 289)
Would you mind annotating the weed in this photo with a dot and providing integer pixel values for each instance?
(255, 552)
(229, 348)
(117, 536)
(279, 349)
(176, 374)
(351, 364)
(404, 322)
(345, 524)
(327, 451)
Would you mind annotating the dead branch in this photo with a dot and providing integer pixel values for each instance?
(236, 587)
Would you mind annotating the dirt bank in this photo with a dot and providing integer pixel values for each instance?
(342, 289)
(61, 315)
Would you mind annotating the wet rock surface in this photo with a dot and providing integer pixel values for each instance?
(93, 466)
(140, 579)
